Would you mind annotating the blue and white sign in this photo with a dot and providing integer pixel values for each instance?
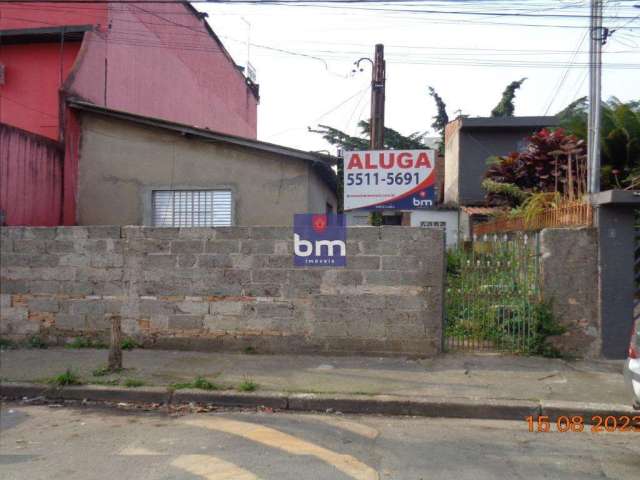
(319, 240)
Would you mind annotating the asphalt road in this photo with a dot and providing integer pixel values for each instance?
(41, 442)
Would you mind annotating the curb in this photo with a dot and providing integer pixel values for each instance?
(472, 408)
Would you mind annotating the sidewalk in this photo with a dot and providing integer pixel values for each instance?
(451, 376)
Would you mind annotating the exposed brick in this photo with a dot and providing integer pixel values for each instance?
(185, 322)
(187, 246)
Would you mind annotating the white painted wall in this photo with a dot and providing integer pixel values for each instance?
(446, 219)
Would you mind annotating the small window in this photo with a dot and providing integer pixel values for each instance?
(192, 208)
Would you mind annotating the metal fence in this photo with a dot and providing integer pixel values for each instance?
(492, 294)
(569, 214)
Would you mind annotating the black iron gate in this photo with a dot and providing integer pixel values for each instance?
(493, 299)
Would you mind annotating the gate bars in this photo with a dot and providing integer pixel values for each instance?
(493, 299)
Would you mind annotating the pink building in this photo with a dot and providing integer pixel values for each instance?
(156, 60)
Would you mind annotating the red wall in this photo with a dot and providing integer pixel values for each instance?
(152, 59)
(29, 98)
(30, 178)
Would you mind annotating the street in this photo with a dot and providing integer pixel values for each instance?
(47, 442)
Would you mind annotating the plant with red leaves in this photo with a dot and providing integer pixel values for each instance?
(552, 162)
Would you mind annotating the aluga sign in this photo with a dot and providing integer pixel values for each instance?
(393, 179)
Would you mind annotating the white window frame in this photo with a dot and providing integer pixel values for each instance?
(188, 195)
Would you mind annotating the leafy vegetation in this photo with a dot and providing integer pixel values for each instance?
(35, 341)
(200, 383)
(493, 299)
(505, 107)
(129, 344)
(552, 162)
(69, 377)
(133, 383)
(441, 119)
(6, 344)
(84, 342)
(620, 139)
(247, 385)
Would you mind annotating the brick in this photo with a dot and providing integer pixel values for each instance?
(6, 244)
(104, 231)
(187, 246)
(197, 308)
(370, 262)
(13, 286)
(197, 232)
(214, 261)
(222, 246)
(187, 260)
(279, 233)
(44, 305)
(159, 261)
(43, 233)
(269, 276)
(226, 308)
(66, 321)
(159, 232)
(404, 263)
(72, 233)
(251, 247)
(107, 260)
(185, 322)
(226, 233)
(29, 246)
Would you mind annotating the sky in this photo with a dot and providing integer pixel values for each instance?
(304, 55)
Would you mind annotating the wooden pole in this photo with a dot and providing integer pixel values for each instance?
(378, 80)
(115, 348)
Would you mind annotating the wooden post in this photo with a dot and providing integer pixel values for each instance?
(115, 348)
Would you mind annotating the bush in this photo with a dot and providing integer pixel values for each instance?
(69, 377)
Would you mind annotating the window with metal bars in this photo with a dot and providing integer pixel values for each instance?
(192, 208)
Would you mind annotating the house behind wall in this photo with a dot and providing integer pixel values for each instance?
(125, 158)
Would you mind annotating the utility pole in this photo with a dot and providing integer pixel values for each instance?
(598, 36)
(378, 78)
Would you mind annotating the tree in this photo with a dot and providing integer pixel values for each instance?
(505, 108)
(619, 136)
(552, 162)
(392, 140)
(441, 119)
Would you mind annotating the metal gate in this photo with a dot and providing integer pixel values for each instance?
(493, 299)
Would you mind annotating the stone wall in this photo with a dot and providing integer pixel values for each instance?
(569, 268)
(224, 288)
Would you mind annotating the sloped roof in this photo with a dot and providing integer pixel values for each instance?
(321, 163)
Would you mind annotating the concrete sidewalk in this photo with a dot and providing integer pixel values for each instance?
(452, 376)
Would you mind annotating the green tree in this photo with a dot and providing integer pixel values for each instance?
(619, 136)
(506, 108)
(441, 119)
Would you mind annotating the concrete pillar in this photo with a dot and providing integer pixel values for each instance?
(615, 220)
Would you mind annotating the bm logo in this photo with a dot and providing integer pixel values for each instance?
(319, 240)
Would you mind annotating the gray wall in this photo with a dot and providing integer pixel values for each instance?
(121, 163)
(225, 289)
(476, 146)
(569, 281)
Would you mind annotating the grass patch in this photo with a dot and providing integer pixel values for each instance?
(129, 344)
(200, 383)
(69, 377)
(113, 381)
(6, 344)
(133, 383)
(83, 342)
(36, 341)
(248, 385)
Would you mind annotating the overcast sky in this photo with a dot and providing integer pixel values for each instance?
(468, 59)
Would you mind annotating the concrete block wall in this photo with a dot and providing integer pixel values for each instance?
(224, 289)
(570, 282)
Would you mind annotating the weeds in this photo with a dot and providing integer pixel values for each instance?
(35, 341)
(129, 344)
(250, 350)
(83, 342)
(113, 381)
(133, 383)
(248, 385)
(200, 383)
(69, 377)
(6, 344)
